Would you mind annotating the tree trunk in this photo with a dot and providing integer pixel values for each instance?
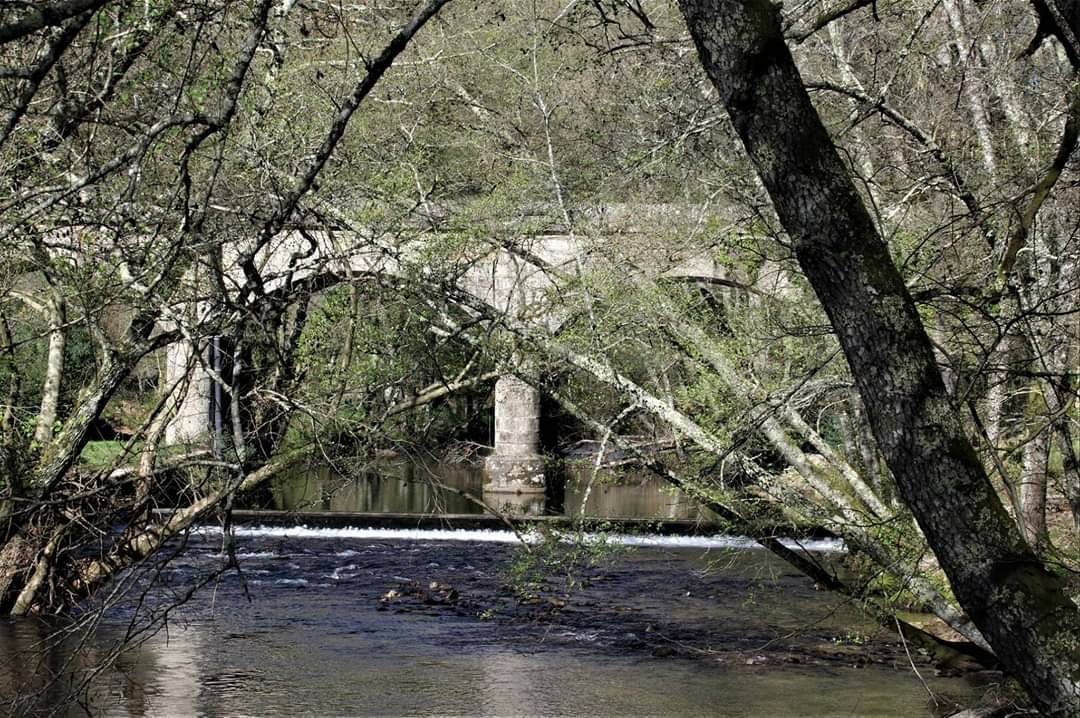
(64, 452)
(54, 371)
(1061, 18)
(998, 391)
(116, 367)
(17, 557)
(1057, 392)
(1021, 608)
(979, 118)
(1033, 490)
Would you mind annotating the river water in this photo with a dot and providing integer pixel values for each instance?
(394, 622)
(413, 487)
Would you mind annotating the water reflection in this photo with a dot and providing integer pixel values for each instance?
(176, 655)
(397, 487)
(316, 639)
(52, 664)
(630, 497)
(404, 487)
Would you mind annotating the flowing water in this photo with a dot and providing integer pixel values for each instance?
(355, 621)
(361, 622)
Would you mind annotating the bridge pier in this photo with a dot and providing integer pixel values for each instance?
(191, 424)
(514, 473)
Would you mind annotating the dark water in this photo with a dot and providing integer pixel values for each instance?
(413, 487)
(659, 631)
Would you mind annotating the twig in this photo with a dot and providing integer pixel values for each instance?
(911, 661)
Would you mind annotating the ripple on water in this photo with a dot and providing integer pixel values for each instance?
(291, 582)
(255, 555)
(326, 648)
(340, 573)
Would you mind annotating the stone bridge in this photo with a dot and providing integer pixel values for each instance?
(509, 277)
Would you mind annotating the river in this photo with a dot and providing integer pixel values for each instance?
(413, 487)
(398, 622)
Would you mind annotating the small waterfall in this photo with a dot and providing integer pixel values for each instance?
(491, 536)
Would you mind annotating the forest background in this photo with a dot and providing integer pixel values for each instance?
(889, 349)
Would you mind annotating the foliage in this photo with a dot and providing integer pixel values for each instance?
(142, 181)
(559, 561)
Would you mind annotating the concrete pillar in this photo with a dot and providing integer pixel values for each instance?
(192, 421)
(516, 467)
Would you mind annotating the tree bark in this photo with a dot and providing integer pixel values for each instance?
(1022, 608)
(45, 14)
(54, 370)
(1060, 18)
(1033, 490)
(979, 117)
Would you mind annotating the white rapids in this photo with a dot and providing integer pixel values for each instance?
(490, 536)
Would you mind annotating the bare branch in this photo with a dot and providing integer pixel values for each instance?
(827, 17)
(37, 15)
(1043, 188)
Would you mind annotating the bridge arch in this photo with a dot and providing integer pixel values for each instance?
(506, 280)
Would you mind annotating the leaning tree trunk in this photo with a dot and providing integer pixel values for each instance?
(1021, 607)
